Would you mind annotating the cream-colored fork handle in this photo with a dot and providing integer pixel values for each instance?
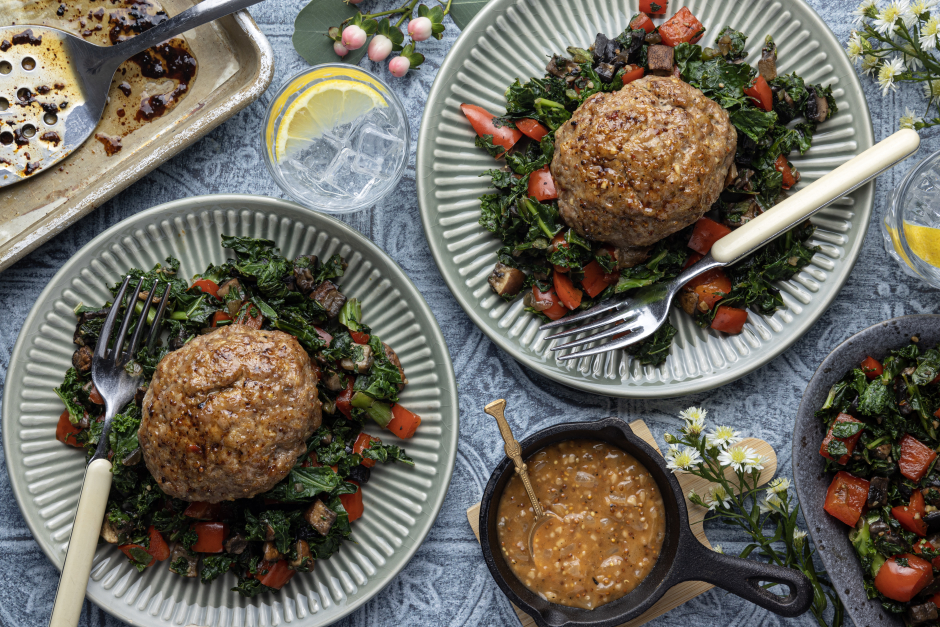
(815, 196)
(82, 544)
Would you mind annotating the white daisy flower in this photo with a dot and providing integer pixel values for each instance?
(887, 73)
(919, 7)
(682, 460)
(757, 462)
(771, 503)
(929, 32)
(887, 18)
(932, 89)
(779, 486)
(799, 537)
(717, 549)
(722, 437)
(694, 420)
(870, 64)
(740, 458)
(854, 48)
(910, 56)
(866, 10)
(909, 119)
(718, 496)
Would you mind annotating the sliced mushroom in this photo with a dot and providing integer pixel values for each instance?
(188, 568)
(231, 284)
(923, 613)
(320, 517)
(334, 382)
(302, 559)
(393, 357)
(108, 532)
(363, 363)
(882, 451)
(767, 65)
(506, 281)
(878, 492)
(81, 359)
(236, 544)
(329, 297)
(271, 554)
(689, 302)
(660, 59)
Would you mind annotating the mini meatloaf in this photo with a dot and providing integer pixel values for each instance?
(636, 165)
(227, 415)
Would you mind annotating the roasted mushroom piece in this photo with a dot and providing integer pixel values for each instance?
(506, 281)
(393, 357)
(81, 359)
(271, 554)
(560, 66)
(933, 521)
(817, 107)
(329, 297)
(878, 492)
(923, 613)
(363, 361)
(183, 562)
(320, 517)
(767, 65)
(660, 60)
(87, 329)
(301, 557)
(236, 544)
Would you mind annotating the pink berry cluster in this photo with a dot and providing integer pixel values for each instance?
(388, 37)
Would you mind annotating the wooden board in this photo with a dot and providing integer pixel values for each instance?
(681, 593)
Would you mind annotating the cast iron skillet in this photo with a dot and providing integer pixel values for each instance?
(682, 557)
(830, 535)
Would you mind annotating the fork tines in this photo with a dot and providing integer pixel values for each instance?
(115, 355)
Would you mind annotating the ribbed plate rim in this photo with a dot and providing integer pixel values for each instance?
(341, 230)
(453, 62)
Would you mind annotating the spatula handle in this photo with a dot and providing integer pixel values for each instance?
(82, 544)
(205, 11)
(815, 196)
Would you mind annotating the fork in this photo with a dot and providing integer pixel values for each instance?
(117, 387)
(647, 309)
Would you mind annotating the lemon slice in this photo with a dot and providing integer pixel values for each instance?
(322, 108)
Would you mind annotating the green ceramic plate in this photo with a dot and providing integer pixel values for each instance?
(401, 503)
(514, 38)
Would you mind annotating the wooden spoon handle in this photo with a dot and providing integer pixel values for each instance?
(514, 452)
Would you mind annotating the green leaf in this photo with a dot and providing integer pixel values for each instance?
(310, 32)
(462, 11)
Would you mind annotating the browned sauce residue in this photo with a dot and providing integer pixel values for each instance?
(52, 137)
(5, 45)
(112, 143)
(27, 37)
(31, 166)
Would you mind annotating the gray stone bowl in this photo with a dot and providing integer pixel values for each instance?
(830, 535)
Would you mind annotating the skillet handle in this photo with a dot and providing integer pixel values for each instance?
(742, 577)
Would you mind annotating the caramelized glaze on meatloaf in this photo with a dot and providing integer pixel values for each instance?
(227, 415)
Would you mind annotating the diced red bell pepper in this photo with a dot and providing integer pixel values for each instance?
(359, 337)
(220, 316)
(404, 423)
(631, 75)
(274, 575)
(158, 546)
(200, 510)
(542, 185)
(531, 128)
(846, 497)
(326, 337)
(251, 317)
(692, 259)
(902, 583)
(596, 279)
(555, 309)
(729, 320)
(683, 27)
(482, 122)
(558, 241)
(352, 503)
(849, 442)
(642, 20)
(710, 286)
(653, 7)
(568, 294)
(759, 92)
(911, 516)
(65, 431)
(363, 442)
(207, 286)
(705, 234)
(344, 400)
(95, 397)
(916, 458)
(872, 367)
(212, 536)
(137, 553)
(783, 166)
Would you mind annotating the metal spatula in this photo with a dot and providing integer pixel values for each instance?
(40, 129)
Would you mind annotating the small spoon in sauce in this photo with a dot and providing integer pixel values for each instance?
(514, 452)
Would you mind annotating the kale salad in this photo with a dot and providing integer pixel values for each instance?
(883, 433)
(556, 270)
(306, 516)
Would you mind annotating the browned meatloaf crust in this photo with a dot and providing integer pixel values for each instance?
(636, 165)
(227, 415)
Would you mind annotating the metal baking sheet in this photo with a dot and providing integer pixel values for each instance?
(235, 66)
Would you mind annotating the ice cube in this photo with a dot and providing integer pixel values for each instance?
(313, 159)
(343, 132)
(342, 179)
(378, 153)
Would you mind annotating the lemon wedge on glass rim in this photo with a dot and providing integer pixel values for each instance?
(321, 108)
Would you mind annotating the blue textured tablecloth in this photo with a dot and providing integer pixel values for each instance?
(447, 583)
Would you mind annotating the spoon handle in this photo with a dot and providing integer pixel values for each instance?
(197, 15)
(514, 452)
